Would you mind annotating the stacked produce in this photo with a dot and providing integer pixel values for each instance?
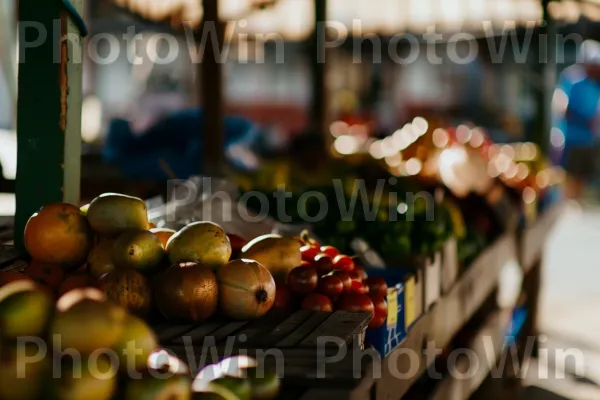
(327, 280)
(109, 268)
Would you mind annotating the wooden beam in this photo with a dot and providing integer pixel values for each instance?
(319, 112)
(49, 108)
(211, 89)
(546, 69)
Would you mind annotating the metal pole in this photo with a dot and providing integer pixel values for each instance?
(48, 109)
(211, 89)
(546, 68)
(318, 57)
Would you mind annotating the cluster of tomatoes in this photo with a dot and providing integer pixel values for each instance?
(328, 281)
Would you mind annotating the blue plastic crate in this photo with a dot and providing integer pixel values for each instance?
(385, 338)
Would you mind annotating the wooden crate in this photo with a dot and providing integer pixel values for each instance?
(309, 349)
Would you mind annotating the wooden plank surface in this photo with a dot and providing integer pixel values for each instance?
(342, 325)
(445, 319)
(534, 237)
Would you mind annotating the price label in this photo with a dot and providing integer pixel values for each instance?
(410, 302)
(392, 300)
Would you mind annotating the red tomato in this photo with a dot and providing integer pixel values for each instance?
(303, 280)
(377, 286)
(283, 298)
(331, 286)
(47, 274)
(345, 278)
(362, 274)
(330, 251)
(317, 302)
(355, 276)
(377, 321)
(12, 276)
(356, 302)
(323, 264)
(309, 253)
(343, 263)
(358, 287)
(380, 314)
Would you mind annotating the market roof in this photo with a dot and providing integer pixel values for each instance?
(294, 18)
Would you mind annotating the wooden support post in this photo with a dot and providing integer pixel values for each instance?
(211, 87)
(319, 112)
(546, 69)
(49, 108)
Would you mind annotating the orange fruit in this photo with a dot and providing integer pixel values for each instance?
(151, 225)
(58, 234)
(163, 235)
(49, 274)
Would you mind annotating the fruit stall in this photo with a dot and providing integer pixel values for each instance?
(244, 308)
(158, 299)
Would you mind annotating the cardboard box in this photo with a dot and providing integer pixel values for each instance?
(433, 280)
(449, 265)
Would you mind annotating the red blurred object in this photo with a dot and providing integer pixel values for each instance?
(323, 264)
(330, 251)
(358, 287)
(317, 302)
(78, 280)
(12, 276)
(377, 286)
(237, 243)
(303, 280)
(283, 298)
(331, 286)
(47, 274)
(309, 252)
(343, 263)
(356, 302)
(362, 274)
(345, 278)
(380, 314)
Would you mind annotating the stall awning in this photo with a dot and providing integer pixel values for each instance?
(293, 19)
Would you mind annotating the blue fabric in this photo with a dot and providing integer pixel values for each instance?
(581, 111)
(175, 141)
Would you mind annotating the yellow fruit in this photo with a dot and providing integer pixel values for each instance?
(141, 250)
(110, 214)
(90, 378)
(23, 371)
(130, 289)
(86, 323)
(25, 310)
(100, 259)
(204, 242)
(176, 387)
(135, 345)
(278, 254)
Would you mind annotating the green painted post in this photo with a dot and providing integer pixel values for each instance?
(48, 108)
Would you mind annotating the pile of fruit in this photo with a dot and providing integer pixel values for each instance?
(81, 347)
(327, 280)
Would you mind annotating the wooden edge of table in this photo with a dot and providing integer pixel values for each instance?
(445, 320)
(534, 237)
(487, 346)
